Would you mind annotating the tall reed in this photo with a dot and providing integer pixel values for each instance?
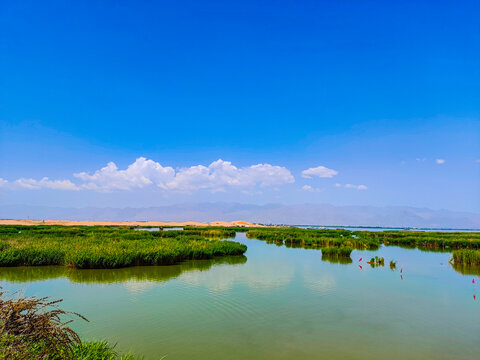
(87, 247)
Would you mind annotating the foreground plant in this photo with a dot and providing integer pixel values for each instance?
(33, 329)
(35, 324)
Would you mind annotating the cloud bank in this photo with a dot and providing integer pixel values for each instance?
(218, 176)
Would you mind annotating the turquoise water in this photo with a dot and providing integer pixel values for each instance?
(274, 303)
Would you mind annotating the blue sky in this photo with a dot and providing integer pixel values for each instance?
(375, 91)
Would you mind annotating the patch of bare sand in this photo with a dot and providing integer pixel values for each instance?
(126, 223)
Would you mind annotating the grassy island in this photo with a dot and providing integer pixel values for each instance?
(93, 247)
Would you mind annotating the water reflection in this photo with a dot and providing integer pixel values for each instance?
(466, 269)
(337, 259)
(137, 273)
(259, 276)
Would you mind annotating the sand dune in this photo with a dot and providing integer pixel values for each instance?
(126, 223)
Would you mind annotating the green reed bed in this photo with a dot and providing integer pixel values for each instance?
(337, 254)
(437, 241)
(87, 247)
(466, 257)
(313, 238)
(426, 240)
(343, 251)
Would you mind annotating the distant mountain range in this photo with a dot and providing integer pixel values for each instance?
(302, 214)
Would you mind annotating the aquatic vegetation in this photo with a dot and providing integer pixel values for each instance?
(393, 264)
(318, 238)
(33, 328)
(98, 350)
(376, 261)
(96, 247)
(337, 254)
(331, 240)
(466, 257)
(426, 240)
(35, 324)
(435, 241)
(343, 251)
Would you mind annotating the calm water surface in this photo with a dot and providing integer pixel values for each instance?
(274, 303)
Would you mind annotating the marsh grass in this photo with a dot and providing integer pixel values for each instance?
(426, 240)
(466, 257)
(311, 238)
(343, 251)
(432, 241)
(95, 247)
(377, 261)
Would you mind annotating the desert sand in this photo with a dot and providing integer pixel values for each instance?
(126, 223)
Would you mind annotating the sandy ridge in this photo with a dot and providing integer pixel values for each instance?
(126, 223)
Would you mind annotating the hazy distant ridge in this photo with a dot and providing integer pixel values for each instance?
(322, 214)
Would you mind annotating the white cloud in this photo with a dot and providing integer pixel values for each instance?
(358, 187)
(440, 161)
(218, 176)
(45, 183)
(352, 186)
(310, 188)
(421, 159)
(320, 171)
(139, 174)
(3, 182)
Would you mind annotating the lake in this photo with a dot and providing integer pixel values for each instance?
(273, 303)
